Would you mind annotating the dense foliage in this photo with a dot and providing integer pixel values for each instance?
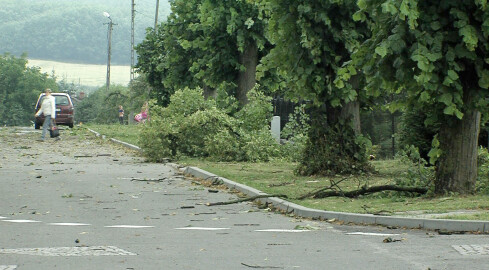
(73, 31)
(193, 126)
(436, 52)
(102, 107)
(204, 44)
(20, 87)
(312, 42)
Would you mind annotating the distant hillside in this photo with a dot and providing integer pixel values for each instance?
(74, 31)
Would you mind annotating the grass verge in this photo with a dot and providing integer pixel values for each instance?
(277, 177)
(125, 133)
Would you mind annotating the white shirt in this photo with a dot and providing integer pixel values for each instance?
(48, 106)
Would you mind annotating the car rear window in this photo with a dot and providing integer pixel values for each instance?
(62, 100)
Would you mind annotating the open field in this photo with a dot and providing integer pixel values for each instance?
(82, 74)
(277, 177)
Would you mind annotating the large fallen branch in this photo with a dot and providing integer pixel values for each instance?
(246, 199)
(327, 192)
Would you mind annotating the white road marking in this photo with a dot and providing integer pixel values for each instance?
(70, 251)
(472, 249)
(8, 267)
(129, 226)
(69, 224)
(373, 234)
(2, 218)
(202, 228)
(21, 221)
(282, 230)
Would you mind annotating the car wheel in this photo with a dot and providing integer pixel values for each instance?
(70, 125)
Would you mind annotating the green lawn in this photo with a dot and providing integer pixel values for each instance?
(277, 177)
(125, 133)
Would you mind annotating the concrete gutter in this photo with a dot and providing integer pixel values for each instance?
(301, 211)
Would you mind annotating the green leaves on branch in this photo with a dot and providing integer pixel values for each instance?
(193, 126)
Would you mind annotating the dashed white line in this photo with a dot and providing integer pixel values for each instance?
(21, 221)
(472, 249)
(129, 226)
(69, 251)
(372, 234)
(69, 224)
(8, 267)
(202, 228)
(282, 230)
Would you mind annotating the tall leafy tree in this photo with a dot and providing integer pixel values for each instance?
(20, 87)
(312, 41)
(207, 43)
(163, 59)
(437, 51)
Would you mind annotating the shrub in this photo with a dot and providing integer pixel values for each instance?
(193, 126)
(295, 131)
(257, 113)
(258, 145)
(418, 172)
(414, 131)
(482, 184)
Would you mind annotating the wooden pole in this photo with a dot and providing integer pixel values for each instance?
(156, 14)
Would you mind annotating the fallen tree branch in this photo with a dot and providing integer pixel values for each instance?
(149, 180)
(246, 199)
(331, 186)
(322, 193)
(262, 267)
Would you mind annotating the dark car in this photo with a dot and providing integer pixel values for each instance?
(64, 110)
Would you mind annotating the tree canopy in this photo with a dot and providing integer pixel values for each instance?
(436, 52)
(204, 43)
(20, 87)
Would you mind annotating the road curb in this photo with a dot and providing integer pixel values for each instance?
(368, 219)
(301, 211)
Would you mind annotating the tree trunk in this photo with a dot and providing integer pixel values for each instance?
(351, 111)
(247, 78)
(457, 166)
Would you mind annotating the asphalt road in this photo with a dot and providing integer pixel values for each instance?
(82, 203)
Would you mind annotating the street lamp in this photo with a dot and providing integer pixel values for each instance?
(109, 38)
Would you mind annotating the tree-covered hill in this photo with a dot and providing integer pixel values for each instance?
(74, 31)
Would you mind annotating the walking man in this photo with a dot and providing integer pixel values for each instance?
(48, 109)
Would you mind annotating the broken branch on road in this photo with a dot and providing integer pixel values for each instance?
(150, 180)
(262, 267)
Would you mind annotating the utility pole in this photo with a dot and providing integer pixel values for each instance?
(109, 47)
(132, 40)
(156, 14)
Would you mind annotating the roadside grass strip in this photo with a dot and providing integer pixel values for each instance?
(69, 251)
